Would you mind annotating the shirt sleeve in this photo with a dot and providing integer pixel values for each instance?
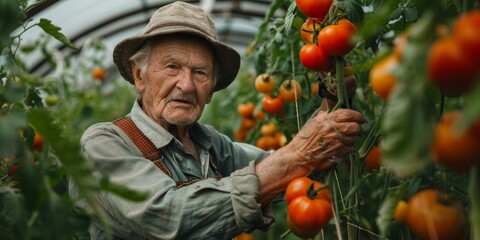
(206, 209)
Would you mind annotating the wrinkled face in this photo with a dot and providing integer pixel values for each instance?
(178, 80)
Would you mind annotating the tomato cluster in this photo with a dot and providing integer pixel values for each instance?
(271, 138)
(323, 44)
(248, 121)
(453, 60)
(431, 214)
(309, 206)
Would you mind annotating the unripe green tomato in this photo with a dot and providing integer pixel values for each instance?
(51, 100)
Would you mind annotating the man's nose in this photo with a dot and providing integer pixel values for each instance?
(186, 81)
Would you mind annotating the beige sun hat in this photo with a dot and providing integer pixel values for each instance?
(180, 17)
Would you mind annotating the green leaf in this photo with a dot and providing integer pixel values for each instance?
(410, 13)
(289, 17)
(352, 9)
(385, 212)
(9, 20)
(11, 207)
(54, 31)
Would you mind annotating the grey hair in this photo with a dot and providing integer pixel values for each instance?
(140, 58)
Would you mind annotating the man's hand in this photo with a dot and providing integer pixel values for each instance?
(326, 137)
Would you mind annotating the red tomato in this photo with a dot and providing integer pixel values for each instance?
(449, 66)
(300, 186)
(310, 214)
(314, 8)
(336, 40)
(303, 233)
(466, 31)
(38, 142)
(314, 58)
(272, 105)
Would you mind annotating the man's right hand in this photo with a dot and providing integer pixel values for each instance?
(326, 137)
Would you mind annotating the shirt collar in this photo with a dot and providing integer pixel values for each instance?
(159, 136)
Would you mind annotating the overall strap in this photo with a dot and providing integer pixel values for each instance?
(149, 151)
(146, 147)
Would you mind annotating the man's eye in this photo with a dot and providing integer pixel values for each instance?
(200, 72)
(171, 66)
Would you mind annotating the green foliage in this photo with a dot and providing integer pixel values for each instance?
(34, 174)
(402, 126)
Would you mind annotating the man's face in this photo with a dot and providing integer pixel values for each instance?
(178, 81)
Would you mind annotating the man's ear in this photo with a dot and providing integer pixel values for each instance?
(137, 78)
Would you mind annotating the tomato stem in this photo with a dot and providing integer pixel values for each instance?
(475, 201)
(285, 234)
(340, 81)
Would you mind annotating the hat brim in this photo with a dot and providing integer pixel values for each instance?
(227, 58)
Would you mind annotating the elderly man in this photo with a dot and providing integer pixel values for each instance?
(202, 184)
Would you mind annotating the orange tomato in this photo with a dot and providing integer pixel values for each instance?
(314, 89)
(246, 109)
(372, 160)
(308, 30)
(399, 45)
(247, 123)
(431, 215)
(98, 73)
(265, 83)
(241, 134)
(244, 236)
(400, 212)
(290, 90)
(268, 128)
(381, 77)
(452, 150)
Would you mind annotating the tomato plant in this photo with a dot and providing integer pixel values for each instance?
(431, 214)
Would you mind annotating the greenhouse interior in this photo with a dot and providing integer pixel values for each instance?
(260, 119)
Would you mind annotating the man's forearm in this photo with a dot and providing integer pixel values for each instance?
(275, 172)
